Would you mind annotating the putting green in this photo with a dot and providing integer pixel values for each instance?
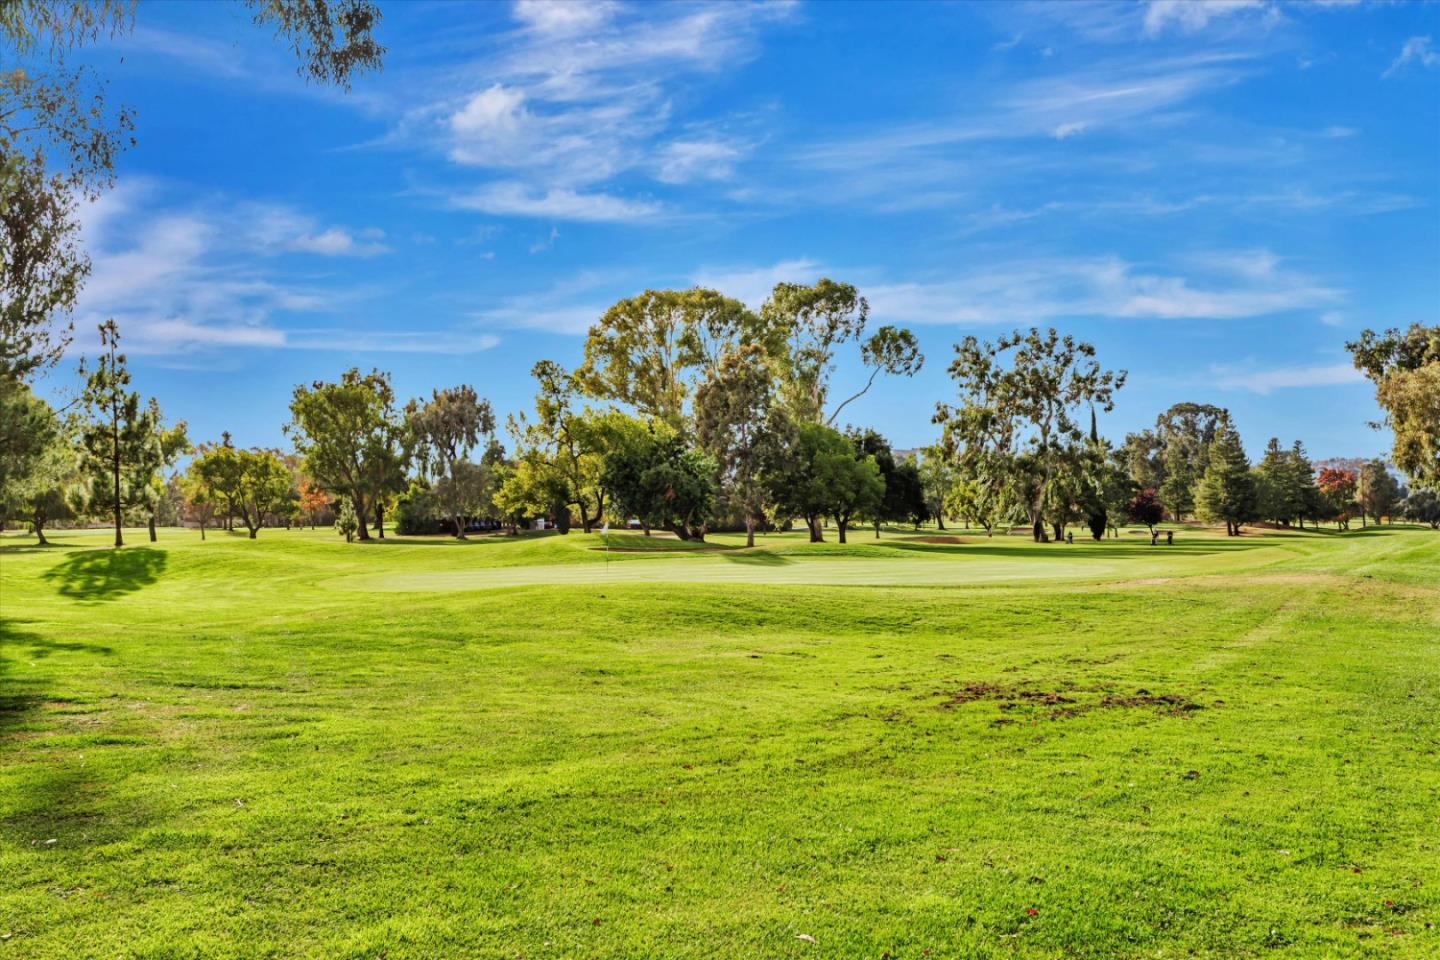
(771, 569)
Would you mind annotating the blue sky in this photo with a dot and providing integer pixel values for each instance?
(1217, 195)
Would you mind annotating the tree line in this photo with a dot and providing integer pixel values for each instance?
(691, 412)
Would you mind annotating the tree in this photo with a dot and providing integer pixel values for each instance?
(313, 500)
(59, 141)
(257, 481)
(199, 500)
(814, 322)
(560, 455)
(1145, 507)
(937, 476)
(1227, 490)
(347, 433)
(822, 476)
(1377, 492)
(891, 350)
(1032, 405)
(1405, 367)
(169, 444)
(444, 431)
(902, 499)
(654, 475)
(1423, 506)
(119, 437)
(347, 521)
(1338, 487)
(28, 428)
(44, 480)
(739, 423)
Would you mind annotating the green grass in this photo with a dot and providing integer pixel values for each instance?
(294, 747)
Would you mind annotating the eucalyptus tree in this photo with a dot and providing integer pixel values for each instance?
(559, 456)
(816, 321)
(1405, 368)
(443, 432)
(347, 433)
(741, 424)
(1031, 407)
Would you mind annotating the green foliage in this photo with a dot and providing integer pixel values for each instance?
(824, 476)
(1423, 506)
(123, 444)
(443, 432)
(1227, 491)
(1376, 490)
(1405, 367)
(347, 521)
(256, 481)
(740, 423)
(349, 437)
(1030, 407)
(651, 473)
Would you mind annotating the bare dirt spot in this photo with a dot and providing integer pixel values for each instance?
(1064, 702)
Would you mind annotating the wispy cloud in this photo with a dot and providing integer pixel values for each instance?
(1191, 16)
(514, 198)
(202, 276)
(1223, 285)
(582, 94)
(1267, 380)
(1417, 50)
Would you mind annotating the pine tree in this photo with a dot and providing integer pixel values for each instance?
(1227, 491)
(119, 438)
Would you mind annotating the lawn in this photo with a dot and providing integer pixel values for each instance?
(295, 747)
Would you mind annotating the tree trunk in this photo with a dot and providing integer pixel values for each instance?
(40, 531)
(152, 528)
(1037, 531)
(459, 528)
(1059, 531)
(202, 531)
(940, 521)
(115, 470)
(380, 520)
(840, 525)
(815, 535)
(877, 529)
(749, 530)
(252, 531)
(361, 531)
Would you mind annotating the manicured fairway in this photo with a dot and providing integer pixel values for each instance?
(294, 747)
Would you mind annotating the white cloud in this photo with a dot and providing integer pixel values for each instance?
(683, 161)
(513, 198)
(752, 285)
(584, 93)
(339, 242)
(563, 17)
(1282, 378)
(1416, 50)
(1219, 286)
(1190, 16)
(1066, 130)
(183, 279)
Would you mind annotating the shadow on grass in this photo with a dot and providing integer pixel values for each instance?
(759, 558)
(21, 698)
(99, 575)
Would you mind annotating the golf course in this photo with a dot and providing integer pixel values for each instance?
(932, 744)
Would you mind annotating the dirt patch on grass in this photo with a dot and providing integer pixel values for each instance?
(1064, 701)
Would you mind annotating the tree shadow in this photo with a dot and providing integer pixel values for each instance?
(100, 575)
(759, 558)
